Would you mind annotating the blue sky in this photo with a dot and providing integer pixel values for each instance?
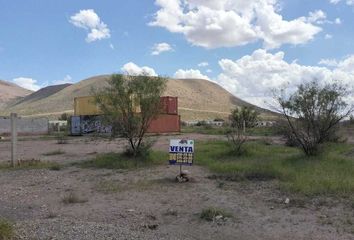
(247, 47)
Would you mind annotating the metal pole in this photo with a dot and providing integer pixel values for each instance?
(13, 139)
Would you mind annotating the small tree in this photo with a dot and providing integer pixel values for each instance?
(245, 115)
(313, 113)
(236, 138)
(351, 120)
(240, 119)
(129, 103)
(64, 117)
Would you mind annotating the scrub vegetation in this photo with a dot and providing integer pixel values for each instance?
(6, 230)
(124, 161)
(330, 173)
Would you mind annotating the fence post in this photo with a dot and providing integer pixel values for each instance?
(13, 139)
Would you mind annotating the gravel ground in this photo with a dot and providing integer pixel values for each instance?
(149, 204)
(83, 148)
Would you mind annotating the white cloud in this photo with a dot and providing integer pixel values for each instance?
(191, 73)
(28, 83)
(209, 71)
(348, 2)
(253, 76)
(133, 69)
(328, 62)
(337, 21)
(111, 46)
(229, 23)
(66, 79)
(160, 48)
(203, 64)
(89, 20)
(317, 17)
(328, 36)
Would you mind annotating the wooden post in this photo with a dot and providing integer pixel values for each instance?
(13, 139)
(244, 127)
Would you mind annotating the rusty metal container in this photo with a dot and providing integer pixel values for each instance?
(165, 123)
(169, 105)
(86, 106)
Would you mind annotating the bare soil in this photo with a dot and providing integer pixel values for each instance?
(149, 204)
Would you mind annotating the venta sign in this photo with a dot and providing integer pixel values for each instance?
(181, 152)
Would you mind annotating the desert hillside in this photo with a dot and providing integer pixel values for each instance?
(198, 99)
(9, 92)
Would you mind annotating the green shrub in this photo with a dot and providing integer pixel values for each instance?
(6, 230)
(53, 153)
(209, 214)
(125, 161)
(62, 138)
(72, 198)
(331, 173)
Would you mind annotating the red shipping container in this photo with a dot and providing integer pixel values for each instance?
(169, 105)
(165, 123)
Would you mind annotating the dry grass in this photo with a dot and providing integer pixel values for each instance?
(72, 198)
(6, 230)
(210, 214)
(53, 153)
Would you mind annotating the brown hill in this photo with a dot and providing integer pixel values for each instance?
(10, 92)
(198, 99)
(43, 93)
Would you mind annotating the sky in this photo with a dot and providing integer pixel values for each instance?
(248, 47)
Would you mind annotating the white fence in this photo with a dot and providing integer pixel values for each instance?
(25, 126)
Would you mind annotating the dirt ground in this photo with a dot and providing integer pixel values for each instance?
(149, 204)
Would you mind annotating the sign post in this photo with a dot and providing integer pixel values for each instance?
(181, 153)
(13, 139)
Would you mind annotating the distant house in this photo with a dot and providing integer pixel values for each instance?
(265, 123)
(205, 122)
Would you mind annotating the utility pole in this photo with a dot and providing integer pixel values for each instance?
(13, 139)
(244, 127)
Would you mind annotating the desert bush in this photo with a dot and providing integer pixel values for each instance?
(61, 138)
(236, 138)
(72, 198)
(53, 153)
(64, 117)
(210, 214)
(201, 123)
(351, 120)
(6, 230)
(313, 113)
(328, 174)
(122, 161)
(219, 120)
(247, 116)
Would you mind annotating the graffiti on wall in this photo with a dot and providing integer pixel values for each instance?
(94, 124)
(89, 124)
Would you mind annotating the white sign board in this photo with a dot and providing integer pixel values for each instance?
(181, 152)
